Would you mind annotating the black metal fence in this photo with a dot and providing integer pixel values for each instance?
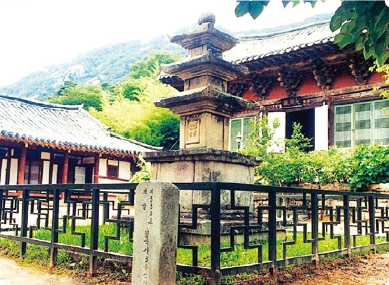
(222, 235)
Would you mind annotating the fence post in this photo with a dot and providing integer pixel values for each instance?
(24, 222)
(346, 219)
(215, 234)
(94, 237)
(315, 228)
(105, 207)
(2, 214)
(54, 228)
(372, 221)
(272, 224)
(359, 215)
(155, 233)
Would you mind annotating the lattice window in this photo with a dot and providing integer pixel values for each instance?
(361, 123)
(243, 127)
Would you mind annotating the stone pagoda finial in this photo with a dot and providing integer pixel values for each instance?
(205, 65)
(205, 38)
(207, 17)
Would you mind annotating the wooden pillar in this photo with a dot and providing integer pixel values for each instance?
(22, 165)
(96, 169)
(331, 120)
(8, 168)
(51, 169)
(65, 171)
(133, 162)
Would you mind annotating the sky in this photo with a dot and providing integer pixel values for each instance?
(39, 33)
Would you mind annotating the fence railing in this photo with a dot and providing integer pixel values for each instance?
(82, 218)
(222, 235)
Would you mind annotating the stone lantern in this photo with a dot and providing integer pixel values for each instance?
(205, 109)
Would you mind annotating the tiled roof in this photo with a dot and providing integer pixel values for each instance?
(260, 51)
(257, 47)
(60, 126)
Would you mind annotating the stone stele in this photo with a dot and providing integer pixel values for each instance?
(155, 234)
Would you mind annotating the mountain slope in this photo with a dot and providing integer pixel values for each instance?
(109, 64)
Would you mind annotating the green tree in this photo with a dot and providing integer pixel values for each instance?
(90, 96)
(362, 23)
(298, 141)
(131, 111)
(140, 119)
(261, 138)
(133, 87)
(150, 66)
(110, 89)
(128, 107)
(384, 69)
(66, 85)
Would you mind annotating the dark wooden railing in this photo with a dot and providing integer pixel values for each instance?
(270, 228)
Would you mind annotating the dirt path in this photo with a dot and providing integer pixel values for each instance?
(372, 269)
(365, 270)
(13, 274)
(369, 270)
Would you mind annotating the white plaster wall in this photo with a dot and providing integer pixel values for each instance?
(55, 174)
(45, 155)
(46, 172)
(3, 171)
(13, 178)
(321, 128)
(102, 167)
(113, 162)
(106, 180)
(124, 170)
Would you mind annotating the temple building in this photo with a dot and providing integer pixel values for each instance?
(302, 76)
(43, 143)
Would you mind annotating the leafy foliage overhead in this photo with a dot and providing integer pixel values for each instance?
(255, 8)
(362, 23)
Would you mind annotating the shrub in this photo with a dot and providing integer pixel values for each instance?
(370, 165)
(329, 167)
(295, 165)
